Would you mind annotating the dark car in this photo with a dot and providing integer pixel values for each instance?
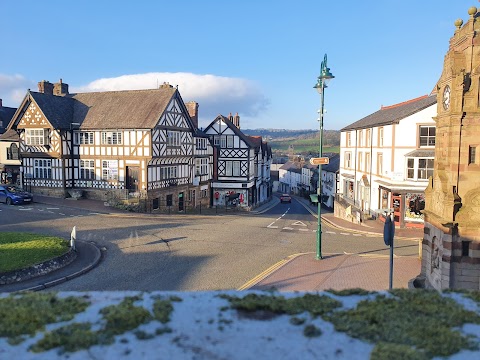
(285, 198)
(10, 194)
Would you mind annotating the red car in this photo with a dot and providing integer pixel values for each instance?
(285, 198)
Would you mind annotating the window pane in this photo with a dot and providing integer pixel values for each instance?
(410, 173)
(422, 163)
(430, 163)
(423, 131)
(410, 163)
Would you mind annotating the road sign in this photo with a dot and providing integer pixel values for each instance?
(319, 161)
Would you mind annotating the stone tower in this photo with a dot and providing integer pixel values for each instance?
(451, 242)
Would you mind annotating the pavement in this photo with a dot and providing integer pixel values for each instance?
(298, 272)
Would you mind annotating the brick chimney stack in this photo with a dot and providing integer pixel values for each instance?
(192, 107)
(60, 88)
(236, 120)
(45, 87)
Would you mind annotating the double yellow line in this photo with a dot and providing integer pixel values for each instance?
(269, 271)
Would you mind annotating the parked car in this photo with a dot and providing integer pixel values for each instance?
(10, 194)
(285, 198)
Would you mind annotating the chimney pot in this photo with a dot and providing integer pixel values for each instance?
(45, 87)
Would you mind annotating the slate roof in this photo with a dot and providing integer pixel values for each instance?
(393, 114)
(57, 109)
(236, 130)
(6, 114)
(333, 164)
(129, 109)
(292, 167)
(422, 153)
(9, 135)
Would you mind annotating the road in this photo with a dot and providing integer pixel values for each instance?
(188, 252)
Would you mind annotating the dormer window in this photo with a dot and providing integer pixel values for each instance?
(36, 137)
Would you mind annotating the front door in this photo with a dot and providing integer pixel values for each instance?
(180, 201)
(132, 178)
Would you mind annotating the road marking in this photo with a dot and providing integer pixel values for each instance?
(272, 224)
(61, 214)
(345, 234)
(330, 232)
(25, 209)
(287, 228)
(52, 208)
(303, 229)
(357, 234)
(299, 223)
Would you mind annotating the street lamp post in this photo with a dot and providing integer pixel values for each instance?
(322, 80)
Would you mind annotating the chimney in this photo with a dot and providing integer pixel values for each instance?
(1, 103)
(60, 88)
(236, 120)
(45, 87)
(165, 85)
(192, 107)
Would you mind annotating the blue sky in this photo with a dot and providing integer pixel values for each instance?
(258, 58)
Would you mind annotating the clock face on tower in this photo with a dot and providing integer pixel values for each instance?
(446, 97)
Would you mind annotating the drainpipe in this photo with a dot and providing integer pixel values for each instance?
(355, 169)
(371, 156)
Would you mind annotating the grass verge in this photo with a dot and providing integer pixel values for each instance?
(20, 250)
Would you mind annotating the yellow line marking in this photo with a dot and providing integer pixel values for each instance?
(269, 271)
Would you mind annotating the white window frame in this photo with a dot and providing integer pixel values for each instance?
(87, 169)
(360, 161)
(201, 166)
(168, 172)
(368, 160)
(84, 138)
(229, 141)
(35, 137)
(201, 144)
(223, 141)
(236, 168)
(424, 172)
(380, 164)
(348, 160)
(380, 136)
(368, 135)
(43, 168)
(174, 138)
(111, 138)
(110, 170)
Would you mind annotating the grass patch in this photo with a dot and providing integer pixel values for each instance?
(124, 316)
(421, 320)
(28, 313)
(68, 338)
(349, 292)
(316, 305)
(20, 250)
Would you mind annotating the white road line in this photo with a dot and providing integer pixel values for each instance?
(345, 234)
(287, 228)
(357, 234)
(330, 232)
(272, 227)
(298, 223)
(303, 229)
(61, 214)
(271, 224)
(52, 208)
(23, 209)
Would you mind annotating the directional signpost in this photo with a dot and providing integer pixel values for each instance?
(320, 161)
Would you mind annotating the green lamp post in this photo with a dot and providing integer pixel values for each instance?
(321, 85)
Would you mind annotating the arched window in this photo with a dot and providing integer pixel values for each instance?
(12, 153)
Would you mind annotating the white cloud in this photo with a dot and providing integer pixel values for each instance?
(215, 94)
(13, 89)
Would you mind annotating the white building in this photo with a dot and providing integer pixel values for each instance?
(386, 159)
(9, 154)
(242, 165)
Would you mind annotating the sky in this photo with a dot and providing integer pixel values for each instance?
(258, 58)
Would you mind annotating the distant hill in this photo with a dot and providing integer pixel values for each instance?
(297, 141)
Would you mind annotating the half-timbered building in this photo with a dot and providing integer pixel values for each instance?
(9, 159)
(113, 145)
(241, 165)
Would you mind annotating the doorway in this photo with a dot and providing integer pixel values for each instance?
(180, 201)
(132, 178)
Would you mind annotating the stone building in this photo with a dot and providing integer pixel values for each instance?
(451, 243)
